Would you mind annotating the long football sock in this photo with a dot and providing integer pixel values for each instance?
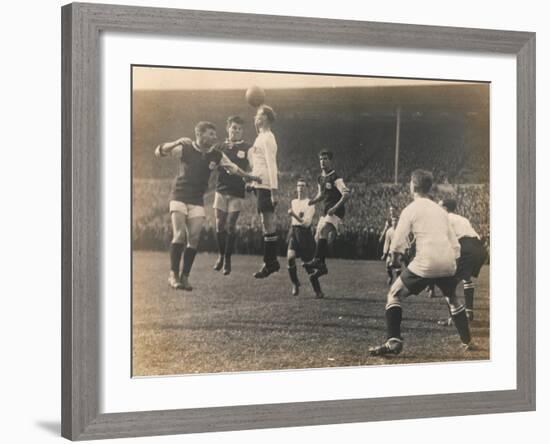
(390, 272)
(188, 258)
(461, 323)
(321, 249)
(176, 250)
(229, 244)
(221, 237)
(315, 284)
(270, 248)
(469, 288)
(292, 272)
(394, 315)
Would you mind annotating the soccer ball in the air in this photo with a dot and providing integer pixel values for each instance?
(255, 96)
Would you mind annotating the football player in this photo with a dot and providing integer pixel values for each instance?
(197, 159)
(437, 249)
(301, 243)
(334, 194)
(386, 254)
(230, 192)
(263, 156)
(472, 255)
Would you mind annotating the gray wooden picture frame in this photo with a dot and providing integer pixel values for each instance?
(81, 175)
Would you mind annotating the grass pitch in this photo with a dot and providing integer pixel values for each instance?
(238, 323)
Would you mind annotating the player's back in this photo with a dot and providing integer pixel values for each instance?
(436, 245)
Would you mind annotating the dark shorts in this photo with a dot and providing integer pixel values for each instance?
(264, 201)
(301, 240)
(472, 257)
(416, 284)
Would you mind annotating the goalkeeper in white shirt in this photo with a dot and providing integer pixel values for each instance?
(263, 157)
(301, 243)
(437, 250)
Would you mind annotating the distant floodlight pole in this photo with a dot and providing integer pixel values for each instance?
(397, 134)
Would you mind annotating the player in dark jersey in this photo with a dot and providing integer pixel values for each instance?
(197, 160)
(334, 194)
(230, 192)
(472, 255)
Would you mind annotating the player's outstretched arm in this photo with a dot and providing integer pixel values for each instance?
(232, 168)
(172, 148)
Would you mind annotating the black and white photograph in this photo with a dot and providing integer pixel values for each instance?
(302, 221)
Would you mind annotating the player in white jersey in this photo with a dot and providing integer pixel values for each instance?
(472, 255)
(301, 243)
(390, 231)
(263, 156)
(437, 249)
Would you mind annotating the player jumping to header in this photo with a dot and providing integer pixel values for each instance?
(437, 249)
(230, 192)
(263, 156)
(472, 255)
(197, 160)
(334, 193)
(301, 243)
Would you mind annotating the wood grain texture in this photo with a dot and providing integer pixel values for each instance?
(526, 221)
(81, 231)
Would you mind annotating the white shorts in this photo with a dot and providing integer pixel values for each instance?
(189, 210)
(227, 203)
(334, 220)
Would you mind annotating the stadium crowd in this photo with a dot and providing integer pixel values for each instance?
(366, 216)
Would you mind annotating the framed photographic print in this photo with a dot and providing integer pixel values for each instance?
(278, 221)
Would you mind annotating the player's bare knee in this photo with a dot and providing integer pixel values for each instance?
(178, 237)
(396, 293)
(193, 241)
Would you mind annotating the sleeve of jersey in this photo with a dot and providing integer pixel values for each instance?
(341, 185)
(270, 149)
(453, 240)
(400, 238)
(227, 164)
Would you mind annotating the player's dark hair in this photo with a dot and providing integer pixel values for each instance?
(450, 205)
(201, 127)
(268, 112)
(234, 119)
(327, 153)
(422, 181)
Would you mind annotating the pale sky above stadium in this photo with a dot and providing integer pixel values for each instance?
(152, 78)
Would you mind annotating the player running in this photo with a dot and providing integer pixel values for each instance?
(386, 254)
(230, 192)
(301, 243)
(263, 156)
(334, 193)
(472, 255)
(437, 249)
(197, 160)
